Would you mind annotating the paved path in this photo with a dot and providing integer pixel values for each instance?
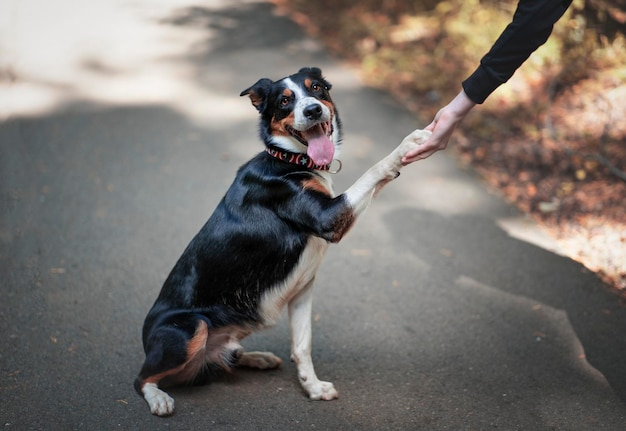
(122, 127)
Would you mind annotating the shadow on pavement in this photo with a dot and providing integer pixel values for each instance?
(471, 247)
(240, 28)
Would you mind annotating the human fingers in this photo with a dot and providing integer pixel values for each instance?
(408, 158)
(425, 150)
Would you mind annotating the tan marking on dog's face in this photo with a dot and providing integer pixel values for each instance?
(308, 82)
(330, 105)
(278, 127)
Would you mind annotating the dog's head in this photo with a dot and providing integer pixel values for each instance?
(297, 114)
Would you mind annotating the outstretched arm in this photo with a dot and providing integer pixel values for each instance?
(530, 28)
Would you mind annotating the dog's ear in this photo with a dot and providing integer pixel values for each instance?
(258, 93)
(311, 70)
(316, 72)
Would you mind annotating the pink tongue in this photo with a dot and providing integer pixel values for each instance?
(321, 149)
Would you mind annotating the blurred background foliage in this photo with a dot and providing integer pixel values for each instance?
(429, 47)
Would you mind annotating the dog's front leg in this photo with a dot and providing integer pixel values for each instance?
(300, 323)
(360, 194)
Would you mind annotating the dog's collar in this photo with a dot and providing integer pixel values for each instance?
(301, 160)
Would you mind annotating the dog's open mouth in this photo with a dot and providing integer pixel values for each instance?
(320, 146)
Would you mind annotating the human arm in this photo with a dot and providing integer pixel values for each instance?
(530, 28)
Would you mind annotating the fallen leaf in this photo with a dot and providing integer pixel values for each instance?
(548, 207)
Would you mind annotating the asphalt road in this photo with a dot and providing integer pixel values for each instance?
(121, 128)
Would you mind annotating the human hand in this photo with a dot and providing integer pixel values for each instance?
(442, 126)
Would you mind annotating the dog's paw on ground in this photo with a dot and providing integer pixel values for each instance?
(260, 360)
(322, 391)
(161, 404)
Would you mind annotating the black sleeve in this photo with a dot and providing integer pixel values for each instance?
(531, 26)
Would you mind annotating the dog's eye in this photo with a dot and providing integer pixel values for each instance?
(284, 101)
(316, 87)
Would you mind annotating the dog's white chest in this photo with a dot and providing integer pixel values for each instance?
(302, 275)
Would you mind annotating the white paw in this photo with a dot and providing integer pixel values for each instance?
(322, 391)
(392, 164)
(161, 404)
(412, 141)
(260, 360)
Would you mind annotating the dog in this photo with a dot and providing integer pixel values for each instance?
(261, 248)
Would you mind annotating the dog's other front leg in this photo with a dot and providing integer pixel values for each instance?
(300, 324)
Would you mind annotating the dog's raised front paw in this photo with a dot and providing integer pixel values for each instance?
(412, 141)
(392, 164)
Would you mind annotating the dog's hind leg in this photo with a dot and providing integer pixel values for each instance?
(259, 360)
(160, 403)
(147, 383)
(224, 350)
(233, 353)
(300, 323)
(173, 356)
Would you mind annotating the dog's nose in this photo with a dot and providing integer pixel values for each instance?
(313, 111)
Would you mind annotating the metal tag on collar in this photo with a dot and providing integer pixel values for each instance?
(334, 171)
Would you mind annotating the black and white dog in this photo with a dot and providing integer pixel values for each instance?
(261, 248)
